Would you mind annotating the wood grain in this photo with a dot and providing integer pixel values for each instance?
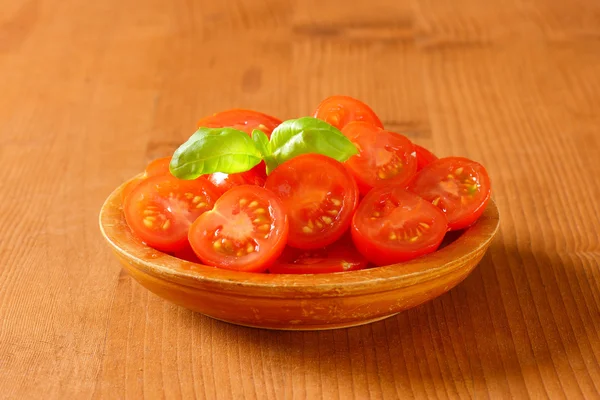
(92, 90)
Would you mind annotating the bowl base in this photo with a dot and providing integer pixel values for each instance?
(321, 327)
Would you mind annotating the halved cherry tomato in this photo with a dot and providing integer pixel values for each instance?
(246, 121)
(340, 256)
(385, 158)
(319, 196)
(393, 225)
(246, 230)
(156, 167)
(458, 186)
(243, 120)
(341, 110)
(424, 157)
(161, 209)
(187, 254)
(224, 182)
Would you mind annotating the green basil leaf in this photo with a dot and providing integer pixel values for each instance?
(308, 135)
(211, 150)
(261, 142)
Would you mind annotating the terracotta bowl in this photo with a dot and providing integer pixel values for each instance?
(297, 302)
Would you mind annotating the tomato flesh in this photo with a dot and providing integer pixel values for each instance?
(341, 110)
(384, 158)
(246, 230)
(392, 225)
(223, 182)
(319, 196)
(424, 157)
(460, 187)
(340, 256)
(160, 209)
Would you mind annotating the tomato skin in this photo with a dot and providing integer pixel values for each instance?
(385, 158)
(340, 256)
(241, 119)
(424, 157)
(224, 182)
(160, 209)
(392, 225)
(319, 196)
(341, 110)
(245, 231)
(462, 196)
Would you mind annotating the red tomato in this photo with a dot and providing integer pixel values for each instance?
(244, 120)
(385, 158)
(340, 256)
(341, 110)
(393, 225)
(157, 167)
(424, 157)
(187, 254)
(161, 209)
(246, 230)
(458, 186)
(224, 182)
(319, 196)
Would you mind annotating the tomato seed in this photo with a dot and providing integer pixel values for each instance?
(200, 205)
(147, 223)
(327, 220)
(243, 202)
(264, 228)
(253, 204)
(424, 225)
(306, 229)
(260, 211)
(166, 225)
(336, 202)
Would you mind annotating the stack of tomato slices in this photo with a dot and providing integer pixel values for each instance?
(391, 202)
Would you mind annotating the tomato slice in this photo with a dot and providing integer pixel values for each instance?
(243, 120)
(246, 230)
(340, 256)
(424, 157)
(187, 254)
(319, 196)
(460, 187)
(392, 225)
(341, 110)
(385, 158)
(157, 167)
(161, 209)
(246, 121)
(223, 182)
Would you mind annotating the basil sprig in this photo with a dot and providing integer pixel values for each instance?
(231, 151)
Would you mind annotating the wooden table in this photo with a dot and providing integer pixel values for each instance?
(92, 90)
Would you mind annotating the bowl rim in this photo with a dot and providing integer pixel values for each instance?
(135, 254)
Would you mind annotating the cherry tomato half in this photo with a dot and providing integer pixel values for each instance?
(340, 256)
(246, 230)
(385, 158)
(319, 196)
(458, 186)
(243, 120)
(424, 157)
(157, 167)
(341, 110)
(246, 121)
(392, 225)
(223, 182)
(161, 209)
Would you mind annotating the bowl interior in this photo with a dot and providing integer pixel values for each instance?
(459, 249)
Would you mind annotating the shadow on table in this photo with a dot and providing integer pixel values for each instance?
(505, 323)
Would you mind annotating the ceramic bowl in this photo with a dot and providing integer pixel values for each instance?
(297, 302)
